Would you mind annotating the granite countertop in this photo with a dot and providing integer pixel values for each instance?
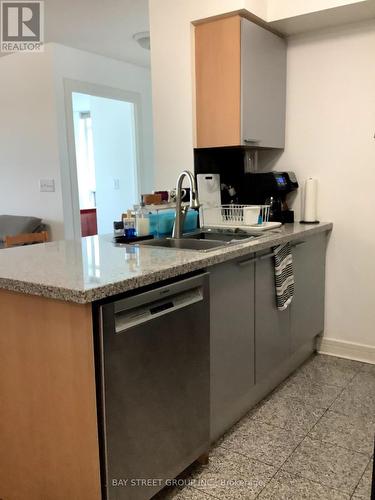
(94, 268)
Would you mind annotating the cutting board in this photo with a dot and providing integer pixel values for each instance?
(209, 190)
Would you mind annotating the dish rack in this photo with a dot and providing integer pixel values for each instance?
(233, 216)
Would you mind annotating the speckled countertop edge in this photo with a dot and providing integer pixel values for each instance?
(198, 261)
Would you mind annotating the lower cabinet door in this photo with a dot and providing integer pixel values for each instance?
(232, 342)
(307, 311)
(272, 327)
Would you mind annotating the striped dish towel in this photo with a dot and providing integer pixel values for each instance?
(284, 278)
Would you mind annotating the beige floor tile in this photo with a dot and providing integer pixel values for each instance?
(232, 476)
(327, 464)
(316, 395)
(354, 433)
(260, 441)
(285, 486)
(363, 490)
(288, 413)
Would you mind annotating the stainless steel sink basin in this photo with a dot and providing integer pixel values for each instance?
(184, 244)
(202, 241)
(225, 237)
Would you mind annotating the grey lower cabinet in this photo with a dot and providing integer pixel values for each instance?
(272, 327)
(307, 310)
(254, 346)
(232, 341)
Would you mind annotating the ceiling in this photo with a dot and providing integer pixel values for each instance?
(105, 27)
(339, 16)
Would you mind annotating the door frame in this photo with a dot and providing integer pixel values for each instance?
(70, 191)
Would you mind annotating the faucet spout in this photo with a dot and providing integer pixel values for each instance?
(181, 211)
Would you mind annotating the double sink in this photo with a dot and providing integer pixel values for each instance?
(202, 241)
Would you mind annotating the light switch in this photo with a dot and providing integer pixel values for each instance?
(47, 185)
(116, 183)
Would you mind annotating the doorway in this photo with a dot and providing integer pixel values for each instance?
(106, 160)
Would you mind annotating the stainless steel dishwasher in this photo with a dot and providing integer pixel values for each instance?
(154, 385)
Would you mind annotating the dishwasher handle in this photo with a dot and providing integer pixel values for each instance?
(129, 318)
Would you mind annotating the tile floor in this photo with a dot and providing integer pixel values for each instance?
(312, 439)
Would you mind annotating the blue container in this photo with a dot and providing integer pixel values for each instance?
(153, 217)
(191, 221)
(161, 223)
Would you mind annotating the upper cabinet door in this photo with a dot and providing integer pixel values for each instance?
(263, 86)
(218, 82)
(240, 84)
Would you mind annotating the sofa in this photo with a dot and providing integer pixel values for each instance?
(13, 225)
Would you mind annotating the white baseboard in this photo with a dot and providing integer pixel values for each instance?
(348, 350)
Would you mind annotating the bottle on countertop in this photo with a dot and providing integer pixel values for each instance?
(129, 224)
(142, 221)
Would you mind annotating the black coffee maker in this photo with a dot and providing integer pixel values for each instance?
(270, 188)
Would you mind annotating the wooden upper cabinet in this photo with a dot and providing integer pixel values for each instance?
(240, 84)
(218, 82)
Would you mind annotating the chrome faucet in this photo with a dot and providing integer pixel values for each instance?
(180, 210)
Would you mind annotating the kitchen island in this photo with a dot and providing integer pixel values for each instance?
(48, 413)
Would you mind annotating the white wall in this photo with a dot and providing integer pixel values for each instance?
(330, 136)
(172, 63)
(29, 139)
(83, 66)
(33, 137)
(115, 158)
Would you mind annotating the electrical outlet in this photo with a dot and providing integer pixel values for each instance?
(47, 185)
(116, 183)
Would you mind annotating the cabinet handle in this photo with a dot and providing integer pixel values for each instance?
(267, 256)
(298, 244)
(251, 141)
(245, 263)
